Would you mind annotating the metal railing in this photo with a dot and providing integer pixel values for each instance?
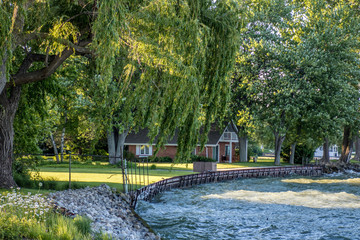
(150, 191)
(135, 172)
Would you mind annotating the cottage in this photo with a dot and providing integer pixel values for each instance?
(333, 152)
(220, 145)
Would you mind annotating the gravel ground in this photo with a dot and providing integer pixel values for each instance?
(108, 210)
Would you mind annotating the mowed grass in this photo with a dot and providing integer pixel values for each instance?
(96, 174)
(111, 176)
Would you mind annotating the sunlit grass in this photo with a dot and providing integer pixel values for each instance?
(111, 176)
(94, 174)
(31, 216)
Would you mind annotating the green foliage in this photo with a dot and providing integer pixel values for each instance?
(83, 225)
(31, 217)
(294, 56)
(129, 164)
(302, 152)
(197, 158)
(161, 159)
(254, 150)
(153, 167)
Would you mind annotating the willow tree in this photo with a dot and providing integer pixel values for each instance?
(182, 50)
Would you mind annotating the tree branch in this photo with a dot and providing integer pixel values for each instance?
(30, 58)
(24, 77)
(30, 77)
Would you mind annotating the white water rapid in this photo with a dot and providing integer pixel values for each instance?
(323, 208)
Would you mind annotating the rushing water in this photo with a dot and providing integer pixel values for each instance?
(325, 208)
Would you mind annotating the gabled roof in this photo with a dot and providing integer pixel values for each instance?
(141, 137)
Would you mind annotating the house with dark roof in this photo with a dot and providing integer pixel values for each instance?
(220, 145)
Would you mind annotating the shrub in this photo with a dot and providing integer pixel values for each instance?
(24, 180)
(153, 167)
(128, 164)
(301, 151)
(197, 158)
(129, 155)
(161, 159)
(254, 151)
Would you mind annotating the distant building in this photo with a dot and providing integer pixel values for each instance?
(333, 152)
(220, 145)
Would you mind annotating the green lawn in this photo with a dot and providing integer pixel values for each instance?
(111, 176)
(98, 173)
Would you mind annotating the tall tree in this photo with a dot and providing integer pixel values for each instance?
(188, 70)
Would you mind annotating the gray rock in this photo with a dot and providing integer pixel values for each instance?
(108, 211)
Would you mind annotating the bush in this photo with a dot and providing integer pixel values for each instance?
(197, 158)
(24, 180)
(254, 151)
(301, 151)
(128, 164)
(161, 159)
(129, 155)
(153, 167)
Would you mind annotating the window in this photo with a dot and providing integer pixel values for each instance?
(227, 135)
(227, 150)
(143, 150)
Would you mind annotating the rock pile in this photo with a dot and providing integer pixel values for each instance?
(334, 167)
(109, 212)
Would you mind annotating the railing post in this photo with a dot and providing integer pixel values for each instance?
(69, 169)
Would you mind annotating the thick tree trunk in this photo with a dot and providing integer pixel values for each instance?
(292, 153)
(111, 147)
(346, 145)
(357, 148)
(279, 139)
(116, 145)
(8, 107)
(55, 148)
(62, 143)
(243, 148)
(326, 156)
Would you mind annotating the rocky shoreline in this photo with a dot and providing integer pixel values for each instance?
(336, 167)
(109, 211)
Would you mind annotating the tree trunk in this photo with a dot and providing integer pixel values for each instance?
(116, 145)
(243, 148)
(120, 143)
(55, 148)
(292, 153)
(62, 144)
(3, 72)
(357, 148)
(346, 145)
(278, 144)
(326, 156)
(8, 107)
(111, 147)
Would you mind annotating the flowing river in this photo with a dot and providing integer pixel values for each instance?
(325, 208)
